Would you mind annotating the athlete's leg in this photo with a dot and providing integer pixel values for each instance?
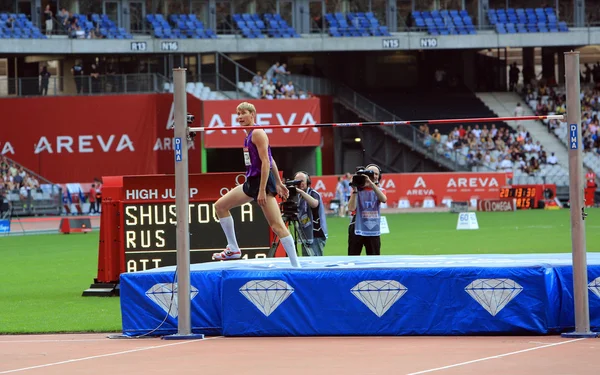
(234, 198)
(273, 216)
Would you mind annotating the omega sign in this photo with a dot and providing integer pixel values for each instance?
(497, 205)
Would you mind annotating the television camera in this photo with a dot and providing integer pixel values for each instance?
(359, 179)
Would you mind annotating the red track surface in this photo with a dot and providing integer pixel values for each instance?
(95, 354)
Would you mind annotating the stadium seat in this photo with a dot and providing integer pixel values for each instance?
(354, 24)
(181, 26)
(444, 22)
(22, 27)
(527, 20)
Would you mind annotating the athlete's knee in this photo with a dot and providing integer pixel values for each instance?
(222, 208)
(280, 229)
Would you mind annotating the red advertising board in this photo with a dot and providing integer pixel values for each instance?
(417, 186)
(77, 138)
(221, 115)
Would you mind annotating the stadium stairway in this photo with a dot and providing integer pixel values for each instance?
(372, 112)
(503, 104)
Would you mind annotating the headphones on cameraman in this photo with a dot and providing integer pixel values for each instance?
(378, 168)
(308, 181)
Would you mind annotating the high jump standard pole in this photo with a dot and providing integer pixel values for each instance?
(182, 199)
(580, 275)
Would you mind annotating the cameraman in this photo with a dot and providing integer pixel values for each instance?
(365, 207)
(311, 214)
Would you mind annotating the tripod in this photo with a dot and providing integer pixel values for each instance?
(293, 223)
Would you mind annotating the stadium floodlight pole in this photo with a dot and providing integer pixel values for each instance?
(391, 123)
(184, 321)
(580, 274)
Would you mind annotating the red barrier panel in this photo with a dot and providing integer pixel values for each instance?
(78, 138)
(417, 186)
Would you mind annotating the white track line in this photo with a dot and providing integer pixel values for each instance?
(104, 355)
(493, 357)
(48, 340)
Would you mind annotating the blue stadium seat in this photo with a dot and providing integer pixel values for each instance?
(444, 22)
(527, 20)
(181, 26)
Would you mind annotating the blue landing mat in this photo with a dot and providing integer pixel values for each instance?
(384, 295)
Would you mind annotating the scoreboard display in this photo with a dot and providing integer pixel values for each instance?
(528, 196)
(150, 233)
(525, 197)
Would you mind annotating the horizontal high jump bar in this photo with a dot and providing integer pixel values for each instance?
(388, 123)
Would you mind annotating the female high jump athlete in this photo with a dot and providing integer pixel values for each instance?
(262, 184)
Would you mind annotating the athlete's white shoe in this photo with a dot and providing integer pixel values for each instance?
(227, 254)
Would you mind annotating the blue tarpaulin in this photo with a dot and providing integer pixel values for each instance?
(383, 295)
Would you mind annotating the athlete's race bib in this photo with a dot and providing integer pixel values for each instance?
(247, 157)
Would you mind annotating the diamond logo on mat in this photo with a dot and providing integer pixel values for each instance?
(594, 286)
(266, 295)
(165, 296)
(493, 294)
(379, 295)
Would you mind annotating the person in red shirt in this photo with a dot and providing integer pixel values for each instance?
(590, 188)
(92, 200)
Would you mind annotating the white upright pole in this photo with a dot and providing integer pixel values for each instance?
(184, 321)
(580, 277)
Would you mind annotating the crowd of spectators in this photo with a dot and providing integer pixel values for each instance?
(498, 148)
(15, 179)
(547, 99)
(274, 84)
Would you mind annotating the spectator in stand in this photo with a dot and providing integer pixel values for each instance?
(45, 79)
(272, 72)
(282, 71)
(77, 71)
(518, 113)
(48, 14)
(257, 79)
(552, 160)
(62, 17)
(95, 78)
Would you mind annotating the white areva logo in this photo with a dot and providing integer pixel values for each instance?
(266, 295)
(493, 294)
(165, 296)
(379, 295)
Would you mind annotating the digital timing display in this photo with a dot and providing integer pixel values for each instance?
(150, 233)
(518, 192)
(525, 196)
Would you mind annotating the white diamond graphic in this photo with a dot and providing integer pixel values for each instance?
(165, 296)
(594, 286)
(370, 224)
(379, 295)
(493, 294)
(266, 295)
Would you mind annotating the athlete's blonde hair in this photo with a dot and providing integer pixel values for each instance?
(246, 106)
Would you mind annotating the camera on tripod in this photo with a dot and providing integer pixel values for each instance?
(290, 206)
(359, 179)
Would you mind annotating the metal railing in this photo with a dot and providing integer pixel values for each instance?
(82, 85)
(370, 111)
(44, 200)
(234, 79)
(407, 134)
